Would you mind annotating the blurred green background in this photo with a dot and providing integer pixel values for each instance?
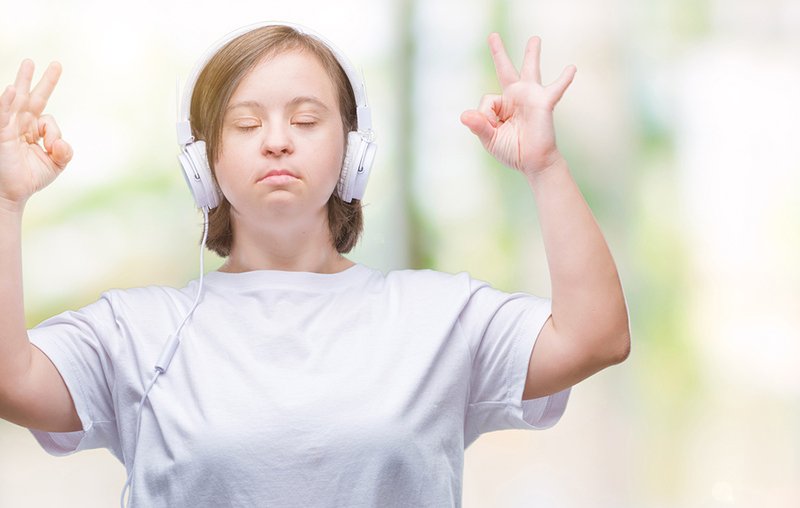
(681, 129)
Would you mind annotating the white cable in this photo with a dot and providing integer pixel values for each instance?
(163, 362)
(128, 483)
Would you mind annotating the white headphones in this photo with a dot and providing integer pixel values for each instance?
(358, 159)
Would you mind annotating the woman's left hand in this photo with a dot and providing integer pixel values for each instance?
(516, 127)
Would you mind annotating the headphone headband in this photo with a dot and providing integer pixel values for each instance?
(363, 114)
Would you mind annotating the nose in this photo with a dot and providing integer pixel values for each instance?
(277, 140)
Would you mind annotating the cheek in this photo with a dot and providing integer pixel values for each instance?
(330, 154)
(223, 170)
(228, 161)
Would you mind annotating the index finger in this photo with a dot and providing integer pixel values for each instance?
(44, 88)
(506, 72)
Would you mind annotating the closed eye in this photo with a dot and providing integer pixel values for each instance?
(245, 123)
(304, 119)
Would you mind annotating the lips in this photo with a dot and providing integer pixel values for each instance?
(278, 175)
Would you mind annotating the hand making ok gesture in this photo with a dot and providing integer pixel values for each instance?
(25, 165)
(516, 127)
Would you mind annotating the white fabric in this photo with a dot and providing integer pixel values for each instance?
(300, 389)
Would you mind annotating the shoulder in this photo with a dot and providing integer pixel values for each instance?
(429, 290)
(148, 298)
(429, 280)
(426, 276)
(149, 292)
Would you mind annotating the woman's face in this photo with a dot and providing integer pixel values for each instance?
(282, 141)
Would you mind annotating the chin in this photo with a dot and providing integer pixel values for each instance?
(288, 204)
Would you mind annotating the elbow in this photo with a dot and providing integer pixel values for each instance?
(612, 348)
(621, 349)
(618, 342)
(610, 351)
(617, 339)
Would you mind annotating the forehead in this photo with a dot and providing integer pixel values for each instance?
(293, 72)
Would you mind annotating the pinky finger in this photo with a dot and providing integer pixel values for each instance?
(562, 83)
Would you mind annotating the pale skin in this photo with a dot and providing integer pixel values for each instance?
(291, 124)
(588, 329)
(32, 393)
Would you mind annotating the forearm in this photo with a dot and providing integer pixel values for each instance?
(14, 344)
(588, 303)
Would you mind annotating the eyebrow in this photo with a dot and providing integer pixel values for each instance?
(294, 102)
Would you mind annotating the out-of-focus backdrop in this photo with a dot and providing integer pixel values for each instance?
(681, 129)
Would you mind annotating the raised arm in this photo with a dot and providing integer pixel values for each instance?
(588, 329)
(32, 392)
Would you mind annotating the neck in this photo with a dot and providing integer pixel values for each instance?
(293, 248)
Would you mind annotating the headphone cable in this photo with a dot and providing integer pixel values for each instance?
(163, 363)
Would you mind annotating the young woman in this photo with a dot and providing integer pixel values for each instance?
(301, 377)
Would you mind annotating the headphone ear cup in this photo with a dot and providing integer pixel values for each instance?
(345, 183)
(356, 167)
(197, 173)
(365, 166)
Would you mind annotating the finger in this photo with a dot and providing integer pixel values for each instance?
(59, 150)
(61, 154)
(560, 85)
(41, 93)
(7, 98)
(479, 125)
(24, 76)
(49, 131)
(531, 68)
(5, 105)
(506, 72)
(489, 107)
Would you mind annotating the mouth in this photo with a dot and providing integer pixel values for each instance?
(278, 176)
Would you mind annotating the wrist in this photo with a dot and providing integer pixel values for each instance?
(557, 164)
(543, 163)
(11, 208)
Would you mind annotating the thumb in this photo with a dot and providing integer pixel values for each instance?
(61, 153)
(478, 124)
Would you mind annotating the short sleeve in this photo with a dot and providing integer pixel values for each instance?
(502, 329)
(76, 343)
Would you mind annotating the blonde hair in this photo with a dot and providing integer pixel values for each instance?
(215, 85)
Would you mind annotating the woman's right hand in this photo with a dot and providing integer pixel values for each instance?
(26, 166)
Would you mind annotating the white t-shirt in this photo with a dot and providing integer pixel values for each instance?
(300, 389)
